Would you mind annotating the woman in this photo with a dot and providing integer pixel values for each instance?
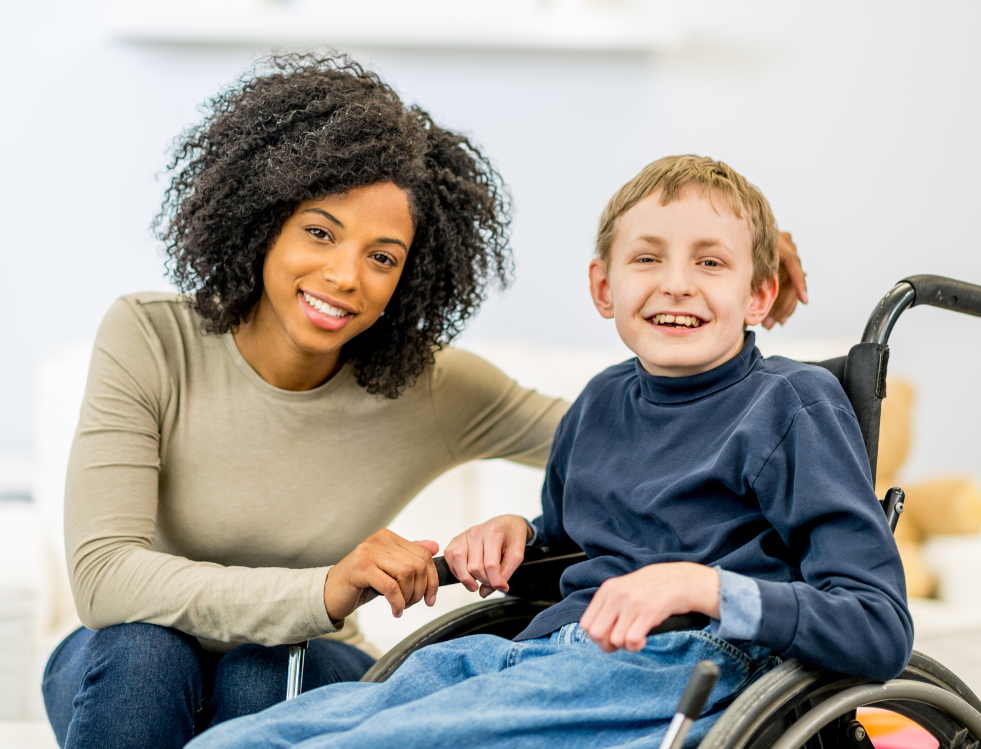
(237, 442)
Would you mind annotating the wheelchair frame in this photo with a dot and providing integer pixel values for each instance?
(792, 705)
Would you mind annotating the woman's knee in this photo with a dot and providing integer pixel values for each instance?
(251, 678)
(115, 678)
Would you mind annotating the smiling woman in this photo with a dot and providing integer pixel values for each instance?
(329, 242)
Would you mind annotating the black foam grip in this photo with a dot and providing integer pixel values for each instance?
(948, 293)
(443, 571)
(699, 687)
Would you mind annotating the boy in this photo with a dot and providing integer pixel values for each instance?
(698, 477)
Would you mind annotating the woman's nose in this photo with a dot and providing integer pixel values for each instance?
(341, 268)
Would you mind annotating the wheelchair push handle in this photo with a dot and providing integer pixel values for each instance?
(947, 293)
(671, 624)
(934, 291)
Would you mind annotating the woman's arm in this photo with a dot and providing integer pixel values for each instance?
(483, 413)
(111, 510)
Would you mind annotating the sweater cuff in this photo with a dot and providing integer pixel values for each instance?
(740, 607)
(534, 533)
(781, 614)
(321, 621)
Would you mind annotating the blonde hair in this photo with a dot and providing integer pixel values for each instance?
(673, 176)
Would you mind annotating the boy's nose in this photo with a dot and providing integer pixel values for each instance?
(676, 281)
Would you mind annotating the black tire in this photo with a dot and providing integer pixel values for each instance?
(761, 714)
(504, 617)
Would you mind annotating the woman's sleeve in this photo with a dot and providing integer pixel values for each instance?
(849, 613)
(483, 413)
(111, 512)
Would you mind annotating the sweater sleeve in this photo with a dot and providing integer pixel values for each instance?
(111, 499)
(483, 413)
(849, 612)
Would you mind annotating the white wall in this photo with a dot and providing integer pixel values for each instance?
(857, 119)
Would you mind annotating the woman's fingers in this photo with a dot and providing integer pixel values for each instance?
(791, 263)
(793, 285)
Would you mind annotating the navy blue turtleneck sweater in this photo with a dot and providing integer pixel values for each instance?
(757, 467)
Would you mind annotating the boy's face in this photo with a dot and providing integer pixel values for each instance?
(683, 261)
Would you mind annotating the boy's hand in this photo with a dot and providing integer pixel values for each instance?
(383, 564)
(488, 553)
(793, 287)
(626, 608)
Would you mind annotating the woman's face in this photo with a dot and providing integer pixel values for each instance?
(332, 270)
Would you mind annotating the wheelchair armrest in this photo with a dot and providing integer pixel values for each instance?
(537, 579)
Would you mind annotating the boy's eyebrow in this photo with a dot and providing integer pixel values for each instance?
(380, 240)
(651, 239)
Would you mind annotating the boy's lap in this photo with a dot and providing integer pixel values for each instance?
(474, 689)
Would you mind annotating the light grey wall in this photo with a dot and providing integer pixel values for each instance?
(857, 119)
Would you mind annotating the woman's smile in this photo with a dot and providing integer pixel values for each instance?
(322, 313)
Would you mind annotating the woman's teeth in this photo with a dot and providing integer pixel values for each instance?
(686, 321)
(324, 307)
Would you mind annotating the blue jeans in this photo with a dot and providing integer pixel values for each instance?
(141, 685)
(484, 691)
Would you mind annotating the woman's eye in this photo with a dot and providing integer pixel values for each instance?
(710, 263)
(318, 232)
(384, 259)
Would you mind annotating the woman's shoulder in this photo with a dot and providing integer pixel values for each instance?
(154, 314)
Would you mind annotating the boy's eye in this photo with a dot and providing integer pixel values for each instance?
(710, 263)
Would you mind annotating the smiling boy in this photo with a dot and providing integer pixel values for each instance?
(698, 477)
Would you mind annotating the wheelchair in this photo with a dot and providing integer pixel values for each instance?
(792, 705)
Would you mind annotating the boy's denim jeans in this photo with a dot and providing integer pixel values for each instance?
(141, 686)
(485, 691)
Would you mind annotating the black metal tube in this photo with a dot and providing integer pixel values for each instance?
(897, 300)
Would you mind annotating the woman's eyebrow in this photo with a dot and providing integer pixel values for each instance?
(388, 240)
(326, 215)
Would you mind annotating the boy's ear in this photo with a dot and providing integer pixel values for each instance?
(760, 302)
(599, 288)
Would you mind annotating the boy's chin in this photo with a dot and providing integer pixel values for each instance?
(684, 363)
(674, 369)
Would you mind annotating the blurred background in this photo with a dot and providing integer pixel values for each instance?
(857, 119)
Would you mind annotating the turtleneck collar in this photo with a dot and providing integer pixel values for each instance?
(668, 390)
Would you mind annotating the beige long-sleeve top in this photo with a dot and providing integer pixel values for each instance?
(201, 497)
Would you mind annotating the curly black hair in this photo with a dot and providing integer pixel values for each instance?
(300, 127)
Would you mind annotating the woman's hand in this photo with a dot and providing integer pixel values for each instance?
(488, 553)
(384, 564)
(626, 608)
(793, 287)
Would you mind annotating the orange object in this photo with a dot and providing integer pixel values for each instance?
(889, 730)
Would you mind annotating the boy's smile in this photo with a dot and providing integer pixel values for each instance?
(678, 284)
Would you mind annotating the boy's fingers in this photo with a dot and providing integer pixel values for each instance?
(514, 555)
(492, 565)
(457, 552)
(475, 559)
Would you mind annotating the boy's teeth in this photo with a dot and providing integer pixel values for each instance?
(687, 321)
(324, 307)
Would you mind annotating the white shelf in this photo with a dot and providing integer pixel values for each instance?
(559, 25)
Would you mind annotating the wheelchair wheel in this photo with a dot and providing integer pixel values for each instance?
(783, 697)
(504, 617)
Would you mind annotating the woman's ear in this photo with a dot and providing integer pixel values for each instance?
(599, 288)
(760, 302)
